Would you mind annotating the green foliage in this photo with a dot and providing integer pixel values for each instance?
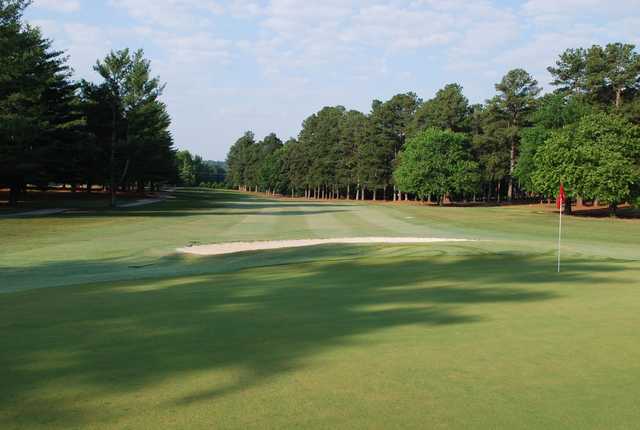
(320, 138)
(448, 110)
(116, 132)
(55, 130)
(598, 158)
(140, 147)
(436, 163)
(517, 92)
(606, 76)
(389, 124)
(351, 160)
(259, 165)
(186, 168)
(270, 175)
(39, 120)
(193, 170)
(238, 159)
(496, 130)
(490, 142)
(554, 111)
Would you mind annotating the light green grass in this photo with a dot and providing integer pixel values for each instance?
(127, 334)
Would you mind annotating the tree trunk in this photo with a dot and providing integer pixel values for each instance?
(125, 171)
(613, 210)
(618, 98)
(512, 166)
(89, 186)
(375, 191)
(348, 191)
(112, 157)
(14, 193)
(567, 206)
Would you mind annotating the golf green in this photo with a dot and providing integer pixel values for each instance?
(104, 325)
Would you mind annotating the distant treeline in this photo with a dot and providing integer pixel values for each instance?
(113, 134)
(194, 171)
(517, 145)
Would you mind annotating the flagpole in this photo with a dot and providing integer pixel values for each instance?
(560, 233)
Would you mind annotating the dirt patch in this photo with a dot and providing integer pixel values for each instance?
(233, 247)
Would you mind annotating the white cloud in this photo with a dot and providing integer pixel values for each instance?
(400, 28)
(299, 34)
(577, 7)
(65, 6)
(564, 12)
(245, 9)
(197, 48)
(171, 13)
(84, 44)
(294, 56)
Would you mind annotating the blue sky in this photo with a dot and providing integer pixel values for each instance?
(231, 66)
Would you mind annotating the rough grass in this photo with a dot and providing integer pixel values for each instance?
(484, 335)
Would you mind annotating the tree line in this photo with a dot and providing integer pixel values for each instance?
(194, 171)
(112, 134)
(519, 144)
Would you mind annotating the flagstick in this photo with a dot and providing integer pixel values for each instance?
(560, 234)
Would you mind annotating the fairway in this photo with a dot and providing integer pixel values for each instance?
(105, 325)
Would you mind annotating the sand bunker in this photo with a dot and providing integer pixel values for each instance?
(233, 247)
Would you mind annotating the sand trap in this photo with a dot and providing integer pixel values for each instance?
(233, 247)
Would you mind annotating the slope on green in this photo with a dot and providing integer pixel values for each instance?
(471, 335)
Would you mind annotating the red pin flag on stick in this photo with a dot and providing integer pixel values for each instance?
(560, 205)
(561, 197)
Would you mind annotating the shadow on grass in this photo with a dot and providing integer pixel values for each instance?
(627, 212)
(146, 213)
(194, 202)
(123, 337)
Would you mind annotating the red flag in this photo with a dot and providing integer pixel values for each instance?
(561, 197)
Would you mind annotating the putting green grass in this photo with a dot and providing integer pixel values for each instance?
(103, 325)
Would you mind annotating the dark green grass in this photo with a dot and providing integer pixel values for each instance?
(476, 335)
(36, 200)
